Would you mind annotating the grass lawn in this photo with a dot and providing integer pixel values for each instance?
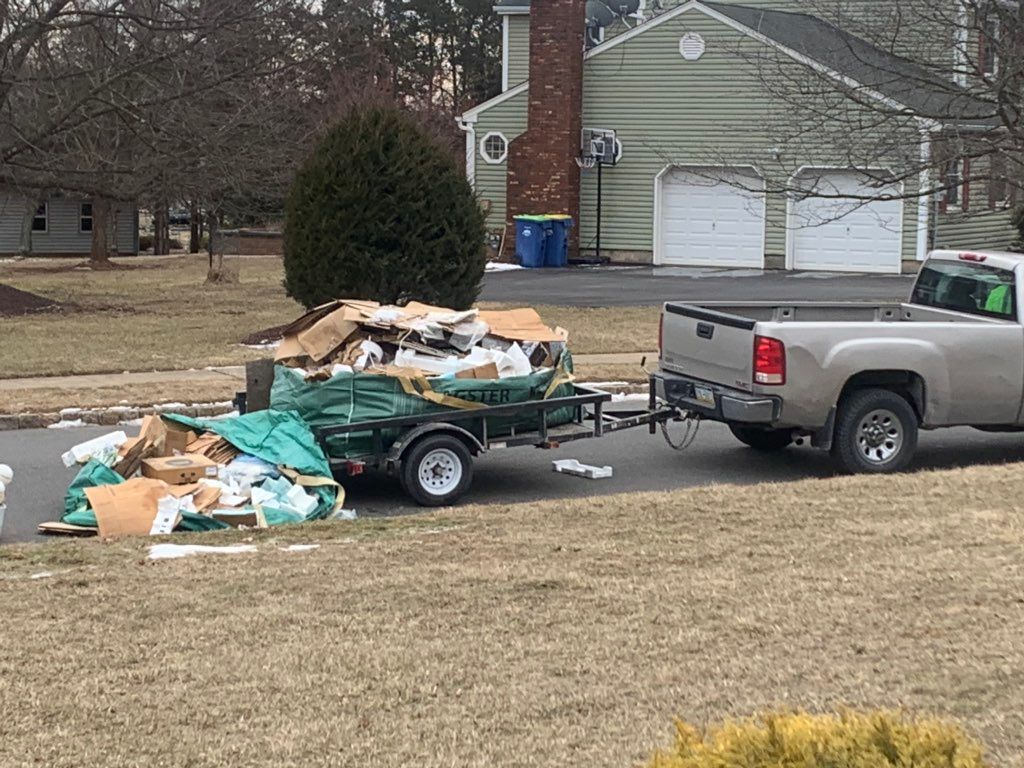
(549, 634)
(160, 316)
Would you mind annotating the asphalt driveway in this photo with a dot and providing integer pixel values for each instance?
(639, 286)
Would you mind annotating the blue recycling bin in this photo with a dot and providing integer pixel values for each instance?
(532, 234)
(556, 252)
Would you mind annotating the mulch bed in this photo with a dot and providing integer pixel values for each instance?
(266, 336)
(15, 303)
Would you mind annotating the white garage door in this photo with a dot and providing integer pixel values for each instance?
(712, 217)
(852, 235)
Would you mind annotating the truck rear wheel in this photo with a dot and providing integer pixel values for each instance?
(437, 470)
(876, 432)
(765, 440)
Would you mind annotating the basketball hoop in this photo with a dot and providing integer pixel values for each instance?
(586, 163)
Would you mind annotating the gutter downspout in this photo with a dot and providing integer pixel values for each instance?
(924, 213)
(468, 126)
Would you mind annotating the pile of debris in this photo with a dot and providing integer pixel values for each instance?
(253, 471)
(419, 341)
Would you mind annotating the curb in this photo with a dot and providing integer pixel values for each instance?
(108, 417)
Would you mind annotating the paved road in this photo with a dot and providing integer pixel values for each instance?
(641, 462)
(640, 286)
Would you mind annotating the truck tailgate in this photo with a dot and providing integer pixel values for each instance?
(708, 345)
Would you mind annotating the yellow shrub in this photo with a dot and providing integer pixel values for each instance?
(846, 740)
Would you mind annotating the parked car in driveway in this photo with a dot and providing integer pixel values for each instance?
(857, 379)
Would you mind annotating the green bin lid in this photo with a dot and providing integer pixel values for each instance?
(558, 216)
(534, 217)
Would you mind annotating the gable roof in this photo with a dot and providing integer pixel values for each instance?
(925, 92)
(852, 61)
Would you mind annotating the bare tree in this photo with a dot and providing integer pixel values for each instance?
(93, 92)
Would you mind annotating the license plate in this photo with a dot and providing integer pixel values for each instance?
(704, 396)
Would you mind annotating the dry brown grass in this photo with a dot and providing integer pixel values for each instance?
(161, 316)
(551, 634)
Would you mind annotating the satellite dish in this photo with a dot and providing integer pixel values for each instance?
(625, 7)
(599, 14)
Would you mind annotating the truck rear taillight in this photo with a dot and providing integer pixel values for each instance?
(769, 361)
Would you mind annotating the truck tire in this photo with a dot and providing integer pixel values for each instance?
(876, 432)
(437, 470)
(764, 440)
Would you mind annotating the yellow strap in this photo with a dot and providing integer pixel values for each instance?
(561, 377)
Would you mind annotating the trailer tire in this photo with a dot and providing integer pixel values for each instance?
(437, 470)
(876, 432)
(764, 440)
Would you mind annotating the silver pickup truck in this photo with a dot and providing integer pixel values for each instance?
(859, 380)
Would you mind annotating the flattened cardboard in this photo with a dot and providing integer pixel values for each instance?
(488, 372)
(66, 529)
(328, 334)
(179, 470)
(249, 518)
(205, 498)
(128, 509)
(151, 441)
(177, 440)
(519, 325)
(288, 349)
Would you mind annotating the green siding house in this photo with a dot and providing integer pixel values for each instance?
(713, 153)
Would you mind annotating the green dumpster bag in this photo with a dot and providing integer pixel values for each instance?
(353, 398)
(280, 438)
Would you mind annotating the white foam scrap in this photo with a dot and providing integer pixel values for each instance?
(300, 548)
(343, 514)
(104, 444)
(175, 551)
(6, 474)
(41, 575)
(578, 469)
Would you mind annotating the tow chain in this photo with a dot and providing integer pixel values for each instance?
(693, 422)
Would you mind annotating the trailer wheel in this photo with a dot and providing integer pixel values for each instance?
(876, 432)
(765, 440)
(437, 470)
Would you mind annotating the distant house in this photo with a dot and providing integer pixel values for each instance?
(61, 226)
(694, 145)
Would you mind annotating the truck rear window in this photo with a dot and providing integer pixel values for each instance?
(971, 288)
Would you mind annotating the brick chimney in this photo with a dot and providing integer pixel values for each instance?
(542, 173)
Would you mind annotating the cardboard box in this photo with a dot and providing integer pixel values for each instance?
(488, 372)
(179, 470)
(520, 325)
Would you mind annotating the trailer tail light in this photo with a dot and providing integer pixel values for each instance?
(769, 361)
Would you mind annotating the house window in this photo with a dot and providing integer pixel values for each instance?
(494, 148)
(988, 47)
(955, 188)
(85, 217)
(40, 222)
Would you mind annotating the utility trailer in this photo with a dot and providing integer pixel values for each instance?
(433, 455)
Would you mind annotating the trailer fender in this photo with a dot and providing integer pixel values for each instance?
(405, 441)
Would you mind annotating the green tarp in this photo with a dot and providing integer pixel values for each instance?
(352, 398)
(276, 437)
(280, 438)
